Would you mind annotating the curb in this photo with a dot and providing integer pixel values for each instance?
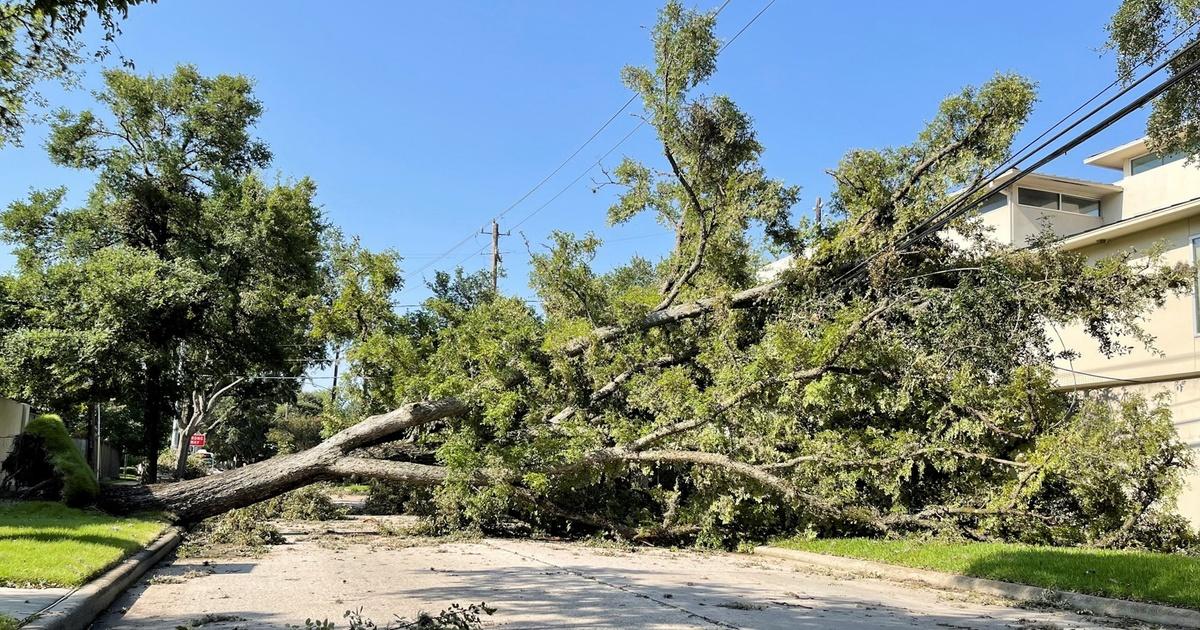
(1149, 613)
(81, 607)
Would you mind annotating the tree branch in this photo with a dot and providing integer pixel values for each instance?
(673, 286)
(680, 312)
(757, 387)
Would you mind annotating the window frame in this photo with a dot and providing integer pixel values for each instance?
(982, 207)
(1057, 198)
(1059, 204)
(1154, 162)
(1195, 242)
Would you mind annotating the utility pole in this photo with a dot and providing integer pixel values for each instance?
(496, 253)
(99, 444)
(337, 359)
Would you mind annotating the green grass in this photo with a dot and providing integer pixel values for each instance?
(1149, 577)
(352, 488)
(49, 544)
(8, 623)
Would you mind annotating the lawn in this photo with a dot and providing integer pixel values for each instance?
(1149, 577)
(48, 544)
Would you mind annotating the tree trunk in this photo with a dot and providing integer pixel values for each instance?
(196, 499)
(152, 416)
(181, 456)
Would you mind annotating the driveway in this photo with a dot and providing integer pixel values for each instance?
(329, 568)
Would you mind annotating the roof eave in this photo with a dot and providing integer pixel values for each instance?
(1115, 158)
(1154, 218)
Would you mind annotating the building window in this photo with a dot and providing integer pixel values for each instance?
(1196, 286)
(1037, 198)
(993, 201)
(1081, 205)
(1054, 201)
(1152, 160)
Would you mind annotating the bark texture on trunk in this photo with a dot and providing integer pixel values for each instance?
(196, 499)
(152, 417)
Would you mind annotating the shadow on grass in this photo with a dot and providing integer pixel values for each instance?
(1161, 578)
(123, 544)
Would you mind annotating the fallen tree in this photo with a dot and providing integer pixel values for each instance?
(196, 499)
(687, 399)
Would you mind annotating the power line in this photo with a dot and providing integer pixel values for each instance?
(746, 26)
(560, 193)
(580, 176)
(575, 153)
(964, 202)
(1105, 89)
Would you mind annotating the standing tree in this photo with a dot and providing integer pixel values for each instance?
(357, 320)
(182, 273)
(685, 401)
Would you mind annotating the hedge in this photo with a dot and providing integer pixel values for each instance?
(79, 483)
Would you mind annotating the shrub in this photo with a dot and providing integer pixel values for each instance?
(47, 453)
(28, 471)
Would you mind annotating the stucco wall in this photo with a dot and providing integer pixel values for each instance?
(1029, 222)
(1174, 353)
(1172, 326)
(1156, 188)
(13, 416)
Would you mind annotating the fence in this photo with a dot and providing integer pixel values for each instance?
(110, 458)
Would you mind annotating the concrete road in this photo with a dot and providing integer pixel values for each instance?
(321, 574)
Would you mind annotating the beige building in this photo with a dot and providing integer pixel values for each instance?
(1156, 201)
(13, 418)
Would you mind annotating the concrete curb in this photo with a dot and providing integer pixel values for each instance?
(80, 608)
(1149, 613)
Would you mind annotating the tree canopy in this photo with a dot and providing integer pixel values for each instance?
(1144, 33)
(182, 274)
(42, 40)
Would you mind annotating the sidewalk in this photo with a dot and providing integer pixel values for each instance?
(21, 603)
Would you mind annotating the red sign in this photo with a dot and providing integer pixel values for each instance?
(197, 439)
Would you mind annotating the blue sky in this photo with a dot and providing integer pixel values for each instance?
(421, 121)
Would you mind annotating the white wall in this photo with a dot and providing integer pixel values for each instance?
(1028, 222)
(13, 418)
(1174, 352)
(1156, 188)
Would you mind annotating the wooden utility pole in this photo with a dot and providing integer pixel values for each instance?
(99, 446)
(337, 359)
(496, 254)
